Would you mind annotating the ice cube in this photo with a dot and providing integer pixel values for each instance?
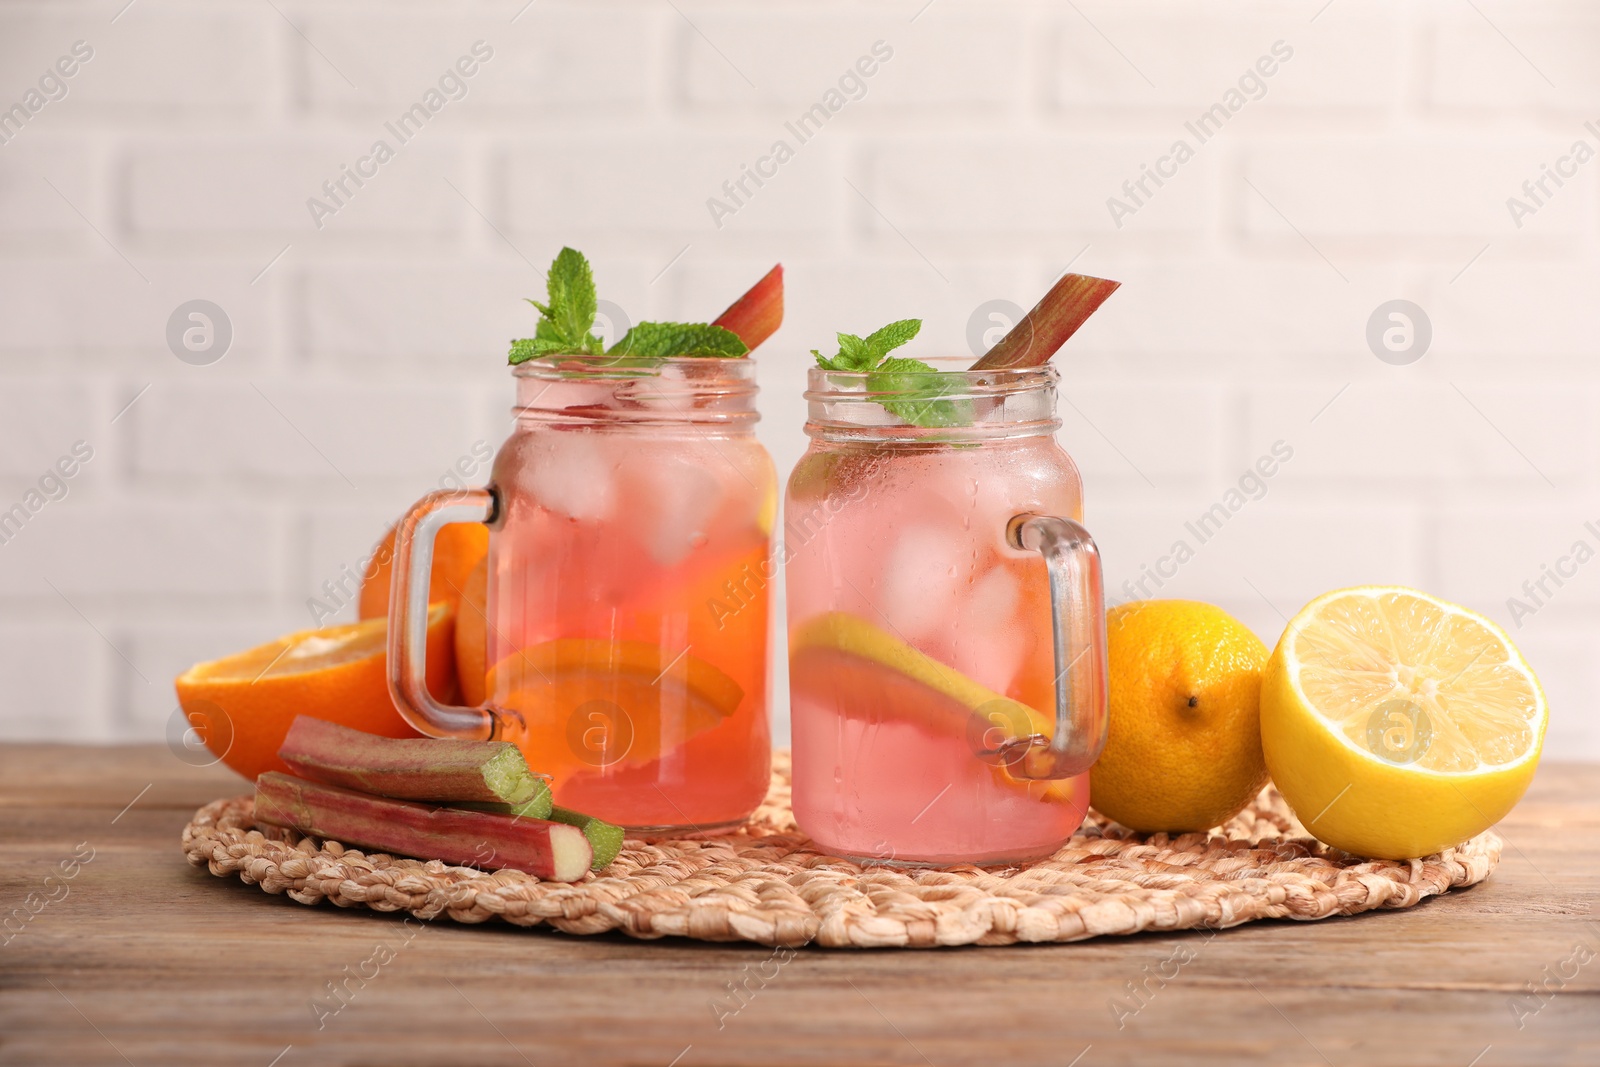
(923, 573)
(677, 498)
(993, 600)
(572, 474)
(990, 646)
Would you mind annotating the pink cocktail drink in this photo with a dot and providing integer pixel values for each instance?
(628, 601)
(630, 514)
(922, 650)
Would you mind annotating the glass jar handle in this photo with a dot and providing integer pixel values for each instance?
(408, 614)
(1078, 629)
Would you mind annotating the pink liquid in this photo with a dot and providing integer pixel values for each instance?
(890, 792)
(660, 544)
(913, 542)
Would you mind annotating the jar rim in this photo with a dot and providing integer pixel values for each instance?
(595, 391)
(823, 383)
(601, 367)
(926, 407)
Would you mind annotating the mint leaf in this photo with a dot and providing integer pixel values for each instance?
(923, 388)
(657, 340)
(527, 348)
(565, 322)
(892, 336)
(860, 354)
(572, 298)
(853, 355)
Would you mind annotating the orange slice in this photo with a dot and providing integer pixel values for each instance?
(242, 705)
(720, 602)
(866, 672)
(614, 701)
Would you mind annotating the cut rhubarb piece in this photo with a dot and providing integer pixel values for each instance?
(1042, 331)
(550, 850)
(605, 838)
(419, 768)
(536, 807)
(757, 314)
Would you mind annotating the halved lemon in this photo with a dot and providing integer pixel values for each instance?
(1397, 724)
(869, 673)
(242, 705)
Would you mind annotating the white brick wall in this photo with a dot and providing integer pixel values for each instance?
(981, 158)
(1351, 59)
(1414, 193)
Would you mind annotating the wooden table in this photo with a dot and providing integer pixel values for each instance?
(141, 959)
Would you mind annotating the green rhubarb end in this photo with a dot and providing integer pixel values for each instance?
(605, 838)
(536, 806)
(507, 776)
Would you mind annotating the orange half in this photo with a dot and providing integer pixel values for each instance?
(242, 705)
(472, 635)
(456, 550)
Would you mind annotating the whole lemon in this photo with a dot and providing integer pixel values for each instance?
(1183, 750)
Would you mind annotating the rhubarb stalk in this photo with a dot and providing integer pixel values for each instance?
(549, 850)
(1042, 331)
(757, 314)
(538, 807)
(420, 768)
(604, 838)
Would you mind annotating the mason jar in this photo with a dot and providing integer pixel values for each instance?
(630, 516)
(947, 658)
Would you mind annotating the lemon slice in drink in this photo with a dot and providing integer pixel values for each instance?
(1397, 724)
(869, 674)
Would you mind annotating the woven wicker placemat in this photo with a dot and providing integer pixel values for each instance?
(769, 885)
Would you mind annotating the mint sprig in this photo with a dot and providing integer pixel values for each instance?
(656, 339)
(924, 388)
(566, 322)
(921, 387)
(861, 354)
